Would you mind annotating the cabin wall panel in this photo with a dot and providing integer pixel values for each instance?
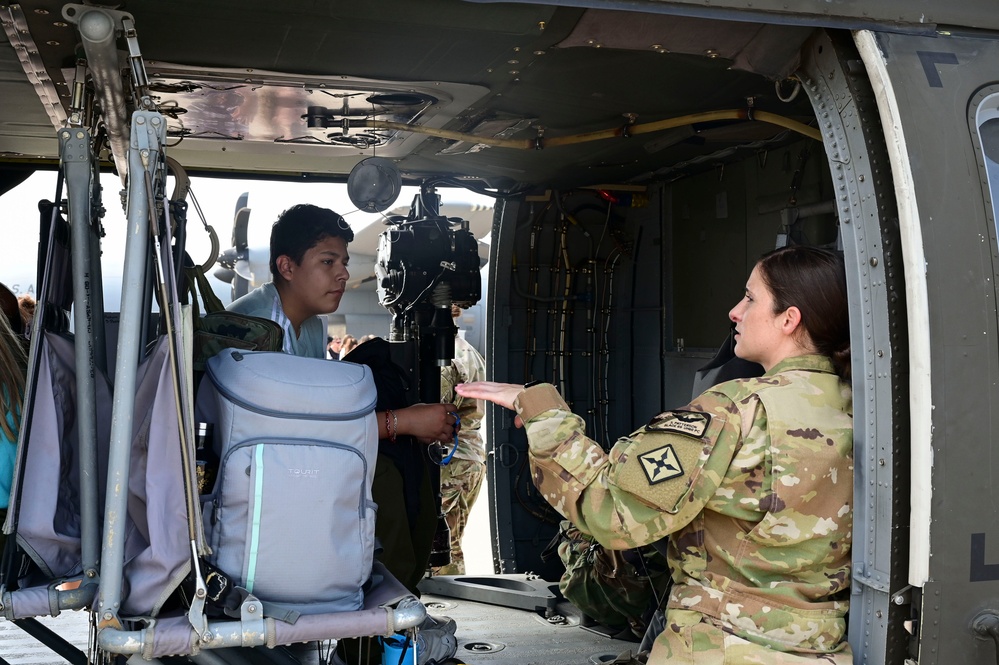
(933, 104)
(724, 220)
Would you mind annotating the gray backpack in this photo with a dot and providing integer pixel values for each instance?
(290, 517)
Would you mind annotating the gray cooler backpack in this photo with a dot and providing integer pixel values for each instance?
(290, 517)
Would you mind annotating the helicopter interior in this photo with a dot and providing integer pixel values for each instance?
(640, 160)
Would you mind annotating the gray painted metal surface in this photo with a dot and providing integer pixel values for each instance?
(146, 144)
(896, 15)
(935, 84)
(77, 163)
(854, 146)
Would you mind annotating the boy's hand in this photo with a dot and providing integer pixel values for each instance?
(429, 422)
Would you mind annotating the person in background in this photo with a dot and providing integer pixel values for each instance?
(349, 343)
(10, 308)
(26, 304)
(13, 366)
(333, 347)
(462, 477)
(752, 480)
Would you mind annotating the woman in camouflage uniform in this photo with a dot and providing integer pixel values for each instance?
(752, 481)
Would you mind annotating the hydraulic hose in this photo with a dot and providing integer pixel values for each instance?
(622, 131)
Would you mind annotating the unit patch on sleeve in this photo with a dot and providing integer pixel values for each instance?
(661, 464)
(691, 423)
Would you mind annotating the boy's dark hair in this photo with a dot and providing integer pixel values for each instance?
(300, 228)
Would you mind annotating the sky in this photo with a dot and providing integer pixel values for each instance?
(19, 220)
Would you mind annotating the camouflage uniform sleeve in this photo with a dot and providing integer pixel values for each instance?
(652, 483)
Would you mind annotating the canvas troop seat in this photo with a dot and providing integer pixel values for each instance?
(47, 523)
(63, 438)
(157, 553)
(134, 482)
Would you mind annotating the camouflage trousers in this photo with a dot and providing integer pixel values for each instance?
(692, 639)
(460, 484)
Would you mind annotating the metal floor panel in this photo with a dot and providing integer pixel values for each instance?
(526, 638)
(19, 648)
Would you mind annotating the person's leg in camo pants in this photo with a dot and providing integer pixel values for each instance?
(460, 484)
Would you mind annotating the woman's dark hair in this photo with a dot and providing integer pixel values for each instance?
(814, 281)
(302, 227)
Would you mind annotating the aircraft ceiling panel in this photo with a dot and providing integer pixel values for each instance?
(361, 39)
(245, 75)
(584, 89)
(903, 16)
(660, 33)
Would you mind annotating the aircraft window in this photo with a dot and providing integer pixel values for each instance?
(19, 248)
(218, 198)
(988, 132)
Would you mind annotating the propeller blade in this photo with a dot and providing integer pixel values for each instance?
(241, 202)
(239, 228)
(242, 269)
(224, 275)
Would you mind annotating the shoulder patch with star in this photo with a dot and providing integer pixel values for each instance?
(691, 423)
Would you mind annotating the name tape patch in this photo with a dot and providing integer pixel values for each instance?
(661, 464)
(691, 423)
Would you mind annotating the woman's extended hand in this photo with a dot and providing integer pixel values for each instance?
(429, 422)
(502, 394)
